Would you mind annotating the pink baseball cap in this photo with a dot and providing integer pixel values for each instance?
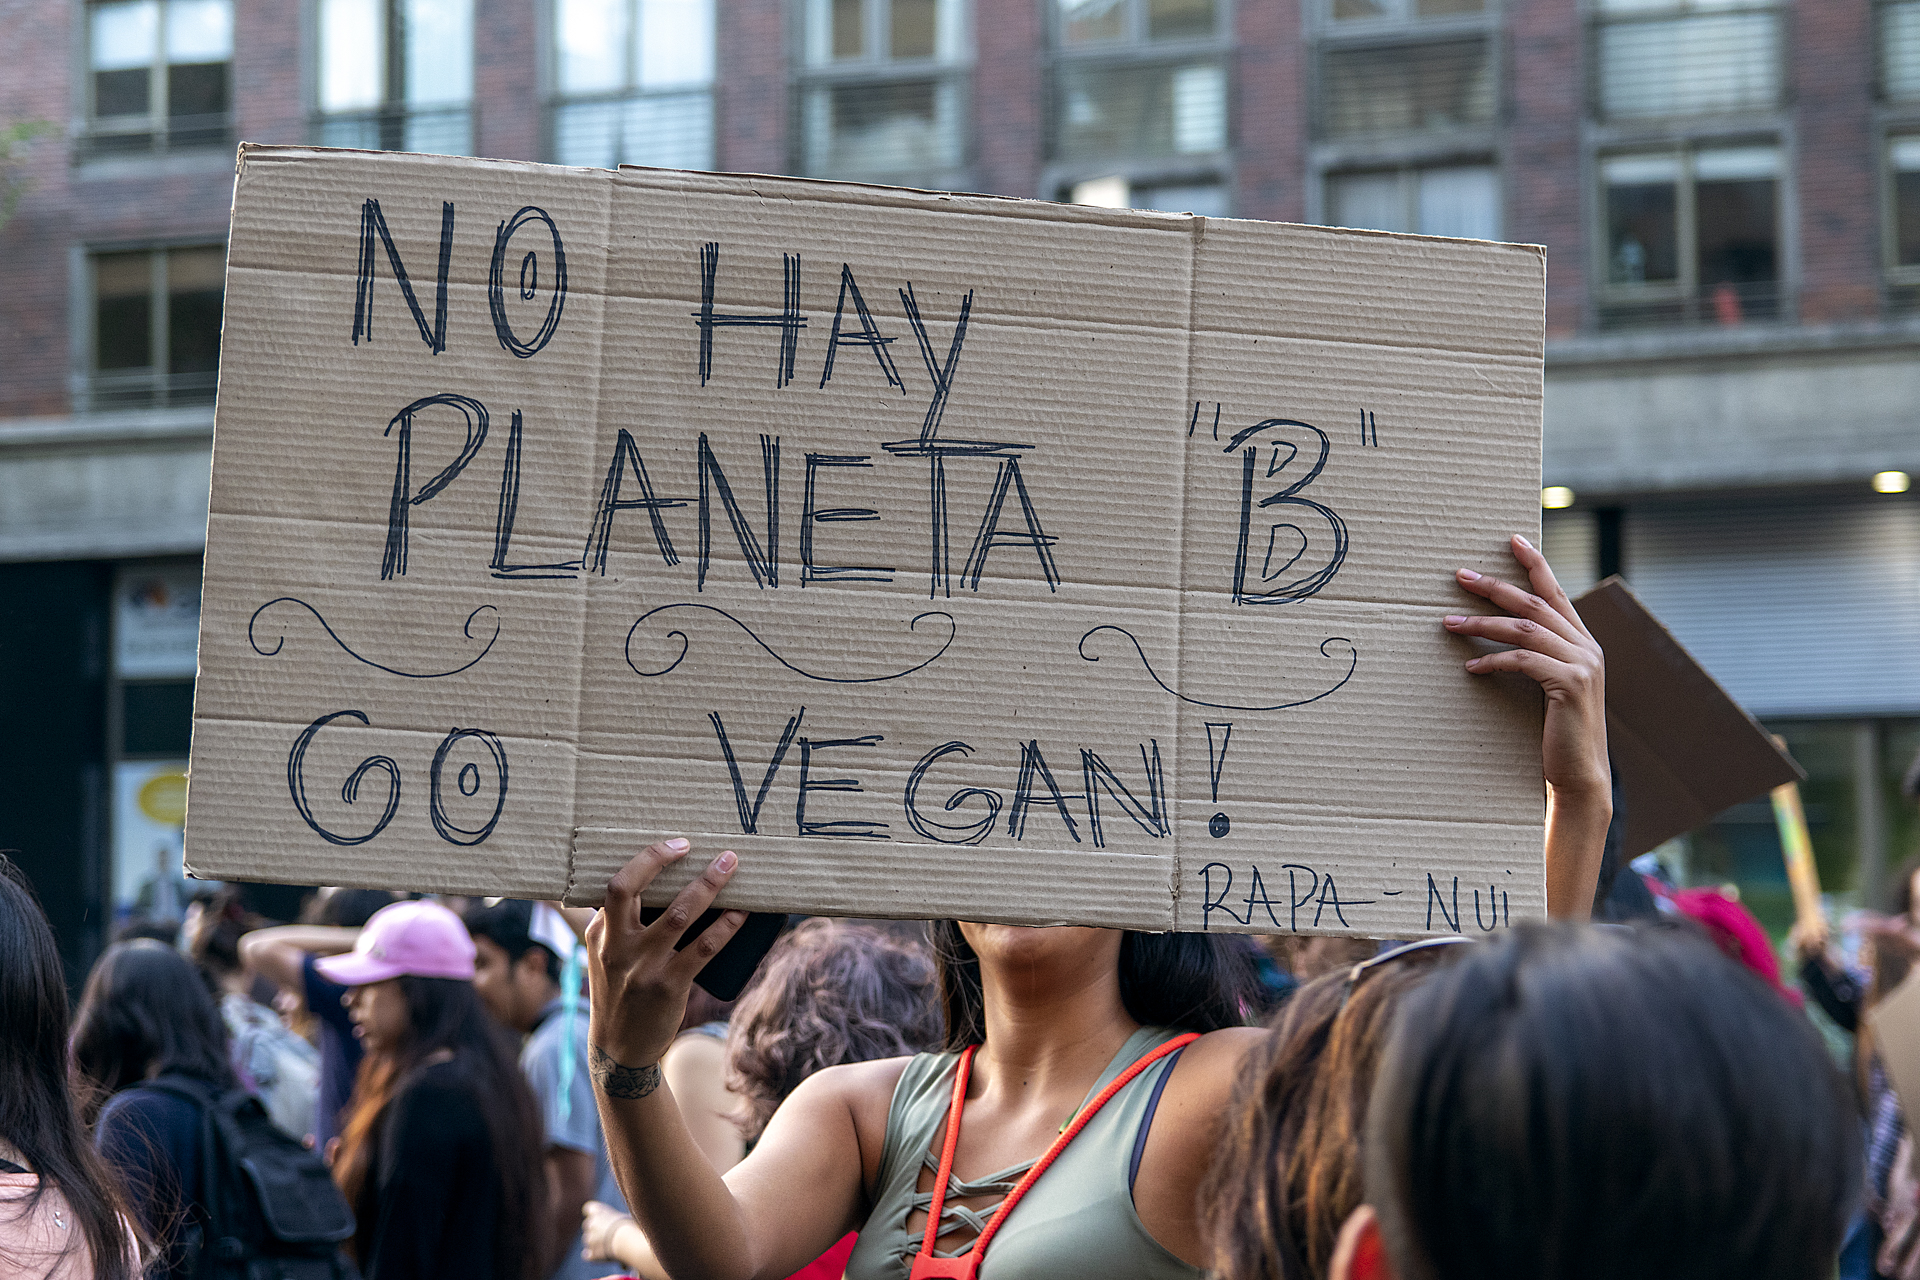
(410, 939)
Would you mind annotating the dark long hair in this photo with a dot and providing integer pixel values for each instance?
(145, 1011)
(1185, 981)
(1288, 1170)
(1568, 1102)
(828, 993)
(444, 1015)
(38, 1116)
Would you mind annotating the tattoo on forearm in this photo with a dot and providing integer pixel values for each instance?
(617, 1081)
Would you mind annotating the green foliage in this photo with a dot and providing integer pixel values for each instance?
(15, 140)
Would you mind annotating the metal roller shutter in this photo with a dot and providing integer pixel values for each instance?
(1799, 608)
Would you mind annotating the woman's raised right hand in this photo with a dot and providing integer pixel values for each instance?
(639, 982)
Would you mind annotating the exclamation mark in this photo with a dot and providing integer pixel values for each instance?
(1219, 733)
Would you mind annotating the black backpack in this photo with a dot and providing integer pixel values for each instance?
(272, 1210)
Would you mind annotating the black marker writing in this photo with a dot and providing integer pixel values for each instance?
(373, 225)
(528, 282)
(946, 833)
(349, 790)
(750, 813)
(788, 319)
(839, 829)
(393, 564)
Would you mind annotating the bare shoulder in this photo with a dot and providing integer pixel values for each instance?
(865, 1089)
(1211, 1063)
(695, 1050)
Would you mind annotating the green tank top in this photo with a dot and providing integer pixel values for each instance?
(1077, 1223)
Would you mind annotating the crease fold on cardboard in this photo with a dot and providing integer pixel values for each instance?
(1021, 561)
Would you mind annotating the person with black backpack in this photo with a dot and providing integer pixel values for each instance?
(223, 1191)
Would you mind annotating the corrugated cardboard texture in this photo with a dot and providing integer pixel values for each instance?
(1685, 751)
(946, 555)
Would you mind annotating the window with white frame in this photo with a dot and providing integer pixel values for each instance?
(154, 337)
(1902, 221)
(1461, 200)
(1900, 50)
(633, 83)
(395, 75)
(1692, 236)
(160, 76)
(1668, 58)
(1140, 103)
(882, 90)
(1372, 10)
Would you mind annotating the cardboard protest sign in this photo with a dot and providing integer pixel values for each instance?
(944, 555)
(1685, 751)
(1896, 1038)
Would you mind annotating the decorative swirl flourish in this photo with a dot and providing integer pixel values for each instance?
(411, 675)
(1354, 662)
(952, 630)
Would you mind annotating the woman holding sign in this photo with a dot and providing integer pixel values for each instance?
(1067, 1128)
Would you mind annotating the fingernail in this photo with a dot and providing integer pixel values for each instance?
(1522, 540)
(1454, 619)
(1473, 664)
(678, 845)
(736, 917)
(1468, 575)
(725, 861)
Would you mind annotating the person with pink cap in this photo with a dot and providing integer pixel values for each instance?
(441, 1151)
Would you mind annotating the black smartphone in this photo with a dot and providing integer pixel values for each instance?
(726, 975)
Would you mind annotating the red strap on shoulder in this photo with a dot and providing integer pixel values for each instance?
(967, 1265)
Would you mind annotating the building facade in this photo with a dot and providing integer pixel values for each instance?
(1729, 193)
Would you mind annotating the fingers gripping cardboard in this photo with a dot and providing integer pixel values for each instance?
(945, 555)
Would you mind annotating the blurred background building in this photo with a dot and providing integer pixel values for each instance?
(1729, 191)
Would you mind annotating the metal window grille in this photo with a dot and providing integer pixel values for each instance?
(1673, 61)
(1406, 88)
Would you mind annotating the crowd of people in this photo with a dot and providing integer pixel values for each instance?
(401, 1087)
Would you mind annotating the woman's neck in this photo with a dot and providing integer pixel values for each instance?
(1052, 1029)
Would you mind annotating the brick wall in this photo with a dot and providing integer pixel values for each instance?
(1009, 102)
(1543, 161)
(1271, 117)
(751, 96)
(1835, 169)
(33, 362)
(506, 80)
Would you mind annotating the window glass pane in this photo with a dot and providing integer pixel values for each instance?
(1900, 50)
(670, 132)
(352, 48)
(439, 50)
(195, 278)
(913, 33)
(123, 311)
(1209, 200)
(908, 128)
(1179, 19)
(1738, 231)
(122, 93)
(125, 35)
(1736, 162)
(676, 43)
(1906, 218)
(1141, 111)
(1405, 88)
(199, 30)
(198, 90)
(1111, 192)
(1199, 109)
(1463, 201)
(1690, 66)
(587, 133)
(590, 47)
(1375, 201)
(1345, 9)
(1082, 21)
(849, 28)
(1643, 237)
(1442, 8)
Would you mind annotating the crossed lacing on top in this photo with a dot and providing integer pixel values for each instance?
(955, 1216)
